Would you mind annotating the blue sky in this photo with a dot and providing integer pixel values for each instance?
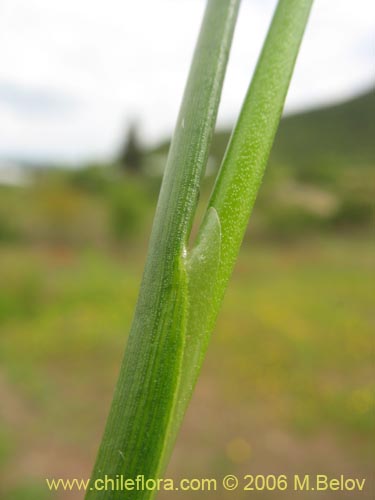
(74, 73)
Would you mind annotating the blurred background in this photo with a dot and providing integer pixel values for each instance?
(89, 92)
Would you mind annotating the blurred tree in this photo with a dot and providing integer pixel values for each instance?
(131, 154)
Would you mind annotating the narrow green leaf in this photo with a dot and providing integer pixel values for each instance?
(249, 147)
(212, 258)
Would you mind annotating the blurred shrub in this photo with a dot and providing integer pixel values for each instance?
(290, 221)
(354, 213)
(90, 206)
(128, 205)
(61, 214)
(324, 174)
(8, 231)
(20, 299)
(93, 179)
(103, 204)
(126, 198)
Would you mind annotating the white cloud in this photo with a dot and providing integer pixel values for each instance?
(119, 59)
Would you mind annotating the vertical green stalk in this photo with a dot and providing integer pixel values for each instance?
(139, 433)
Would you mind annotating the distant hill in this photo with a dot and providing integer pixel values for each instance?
(342, 134)
(321, 174)
(339, 135)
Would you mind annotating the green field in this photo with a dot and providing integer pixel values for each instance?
(287, 385)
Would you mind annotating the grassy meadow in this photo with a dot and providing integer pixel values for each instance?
(288, 383)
